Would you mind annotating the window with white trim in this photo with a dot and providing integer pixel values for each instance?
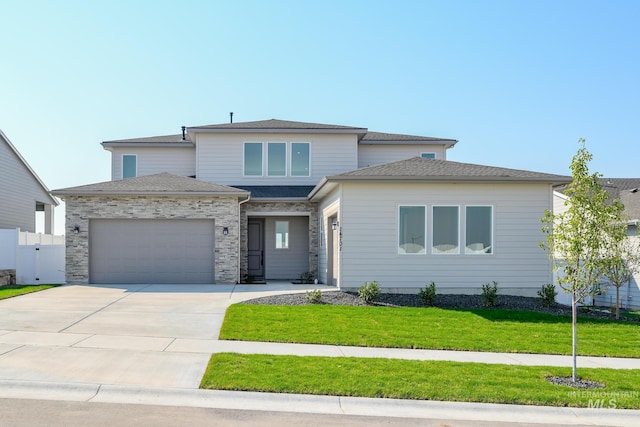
(300, 159)
(129, 166)
(411, 229)
(479, 230)
(253, 159)
(445, 222)
(282, 234)
(276, 159)
(426, 155)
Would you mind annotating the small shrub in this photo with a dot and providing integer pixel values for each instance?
(548, 294)
(490, 294)
(307, 278)
(428, 295)
(369, 292)
(314, 296)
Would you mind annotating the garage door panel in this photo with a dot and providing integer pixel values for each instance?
(151, 251)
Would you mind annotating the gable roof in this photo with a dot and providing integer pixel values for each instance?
(4, 138)
(162, 184)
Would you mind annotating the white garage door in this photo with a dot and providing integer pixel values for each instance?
(151, 251)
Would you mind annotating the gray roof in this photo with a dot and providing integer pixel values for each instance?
(277, 191)
(394, 138)
(162, 139)
(159, 184)
(275, 124)
(418, 168)
(627, 190)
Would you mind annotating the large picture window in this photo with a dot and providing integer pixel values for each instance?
(479, 230)
(299, 159)
(446, 233)
(282, 234)
(253, 159)
(129, 166)
(277, 159)
(411, 230)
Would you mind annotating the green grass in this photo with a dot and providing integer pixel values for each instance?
(430, 328)
(16, 290)
(406, 379)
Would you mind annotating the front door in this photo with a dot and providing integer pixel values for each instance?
(256, 248)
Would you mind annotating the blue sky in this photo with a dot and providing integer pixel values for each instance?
(516, 82)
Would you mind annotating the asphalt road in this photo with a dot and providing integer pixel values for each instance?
(51, 413)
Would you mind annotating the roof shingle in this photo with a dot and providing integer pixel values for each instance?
(159, 184)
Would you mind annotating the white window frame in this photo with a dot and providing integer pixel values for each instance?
(244, 158)
(135, 156)
(467, 250)
(422, 154)
(308, 144)
(287, 234)
(433, 251)
(424, 238)
(286, 158)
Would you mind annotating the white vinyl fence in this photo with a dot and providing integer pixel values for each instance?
(36, 258)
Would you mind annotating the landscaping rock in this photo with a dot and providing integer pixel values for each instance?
(506, 302)
(580, 383)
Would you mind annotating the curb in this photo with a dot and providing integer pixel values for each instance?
(336, 405)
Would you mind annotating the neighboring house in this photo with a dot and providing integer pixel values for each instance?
(275, 199)
(627, 190)
(22, 192)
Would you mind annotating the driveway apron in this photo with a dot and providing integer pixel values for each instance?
(111, 334)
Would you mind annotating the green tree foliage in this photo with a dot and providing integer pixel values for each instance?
(624, 260)
(577, 239)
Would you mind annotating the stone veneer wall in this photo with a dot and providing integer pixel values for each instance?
(79, 210)
(256, 207)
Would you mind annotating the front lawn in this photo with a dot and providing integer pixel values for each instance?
(491, 330)
(405, 379)
(15, 290)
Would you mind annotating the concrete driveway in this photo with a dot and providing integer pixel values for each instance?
(143, 335)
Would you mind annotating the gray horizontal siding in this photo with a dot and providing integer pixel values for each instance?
(153, 160)
(369, 227)
(221, 156)
(292, 262)
(371, 155)
(19, 192)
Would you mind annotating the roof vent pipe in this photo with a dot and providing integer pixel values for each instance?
(184, 128)
(231, 117)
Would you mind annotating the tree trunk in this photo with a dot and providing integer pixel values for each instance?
(617, 302)
(574, 326)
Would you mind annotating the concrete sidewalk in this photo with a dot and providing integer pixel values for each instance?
(150, 344)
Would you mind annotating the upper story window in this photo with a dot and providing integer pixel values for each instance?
(425, 155)
(253, 158)
(299, 159)
(129, 166)
(275, 161)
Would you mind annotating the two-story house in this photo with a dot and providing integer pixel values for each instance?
(274, 199)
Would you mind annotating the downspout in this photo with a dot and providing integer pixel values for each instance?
(240, 235)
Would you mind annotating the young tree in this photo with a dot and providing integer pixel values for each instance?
(624, 259)
(576, 239)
